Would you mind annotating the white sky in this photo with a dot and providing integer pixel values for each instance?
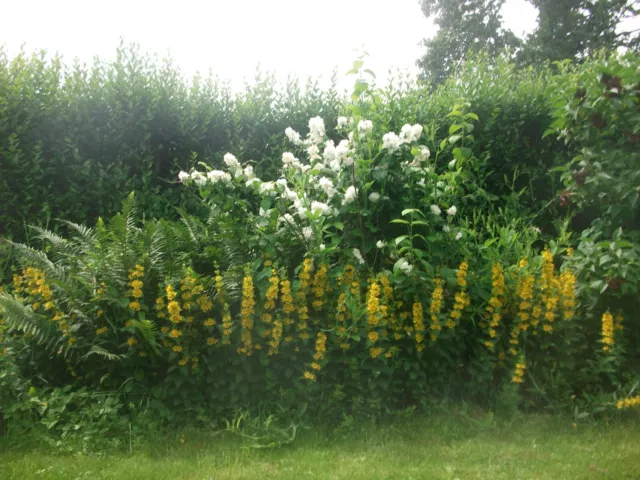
(231, 37)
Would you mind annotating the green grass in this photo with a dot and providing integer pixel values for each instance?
(531, 447)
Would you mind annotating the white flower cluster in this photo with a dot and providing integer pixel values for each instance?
(408, 134)
(451, 211)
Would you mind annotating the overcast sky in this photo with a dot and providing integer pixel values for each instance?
(231, 37)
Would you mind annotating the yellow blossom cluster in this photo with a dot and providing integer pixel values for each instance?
(524, 292)
(301, 298)
(518, 373)
(628, 402)
(321, 349)
(227, 324)
(496, 302)
(549, 290)
(320, 287)
(435, 307)
(276, 336)
(462, 299)
(247, 310)
(568, 294)
(135, 274)
(607, 332)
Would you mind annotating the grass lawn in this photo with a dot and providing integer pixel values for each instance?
(530, 447)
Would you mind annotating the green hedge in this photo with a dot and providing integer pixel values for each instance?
(75, 140)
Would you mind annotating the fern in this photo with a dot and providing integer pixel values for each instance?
(105, 354)
(19, 317)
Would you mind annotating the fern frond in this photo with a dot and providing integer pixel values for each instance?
(102, 353)
(22, 318)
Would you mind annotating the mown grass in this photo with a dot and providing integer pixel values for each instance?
(530, 447)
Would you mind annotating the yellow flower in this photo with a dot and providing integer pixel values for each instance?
(175, 333)
(321, 346)
(211, 341)
(210, 322)
(177, 348)
(309, 376)
(272, 292)
(373, 336)
(607, 332)
(373, 304)
(436, 305)
(205, 303)
(131, 341)
(72, 340)
(36, 306)
(418, 322)
(164, 329)
(183, 361)
(101, 330)
(134, 305)
(320, 287)
(315, 366)
(375, 352)
(136, 293)
(247, 310)
(629, 402)
(171, 293)
(136, 284)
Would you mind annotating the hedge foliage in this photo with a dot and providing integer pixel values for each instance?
(98, 132)
(397, 247)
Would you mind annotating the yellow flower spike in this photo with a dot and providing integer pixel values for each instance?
(418, 322)
(607, 332)
(247, 311)
(435, 306)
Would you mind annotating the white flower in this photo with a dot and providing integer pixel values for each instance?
(289, 161)
(219, 176)
(380, 244)
(365, 127)
(307, 233)
(322, 246)
(267, 187)
(248, 172)
(282, 182)
(314, 152)
(374, 197)
(435, 209)
(342, 153)
(327, 185)
(410, 133)
(421, 182)
(253, 181)
(404, 266)
(350, 195)
(335, 165)
(320, 208)
(316, 130)
(390, 141)
(458, 235)
(452, 211)
(329, 152)
(293, 136)
(231, 161)
(446, 228)
(289, 195)
(421, 156)
(264, 213)
(358, 255)
(199, 178)
(183, 176)
(342, 122)
(286, 218)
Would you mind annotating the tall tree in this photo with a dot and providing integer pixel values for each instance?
(464, 26)
(575, 28)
